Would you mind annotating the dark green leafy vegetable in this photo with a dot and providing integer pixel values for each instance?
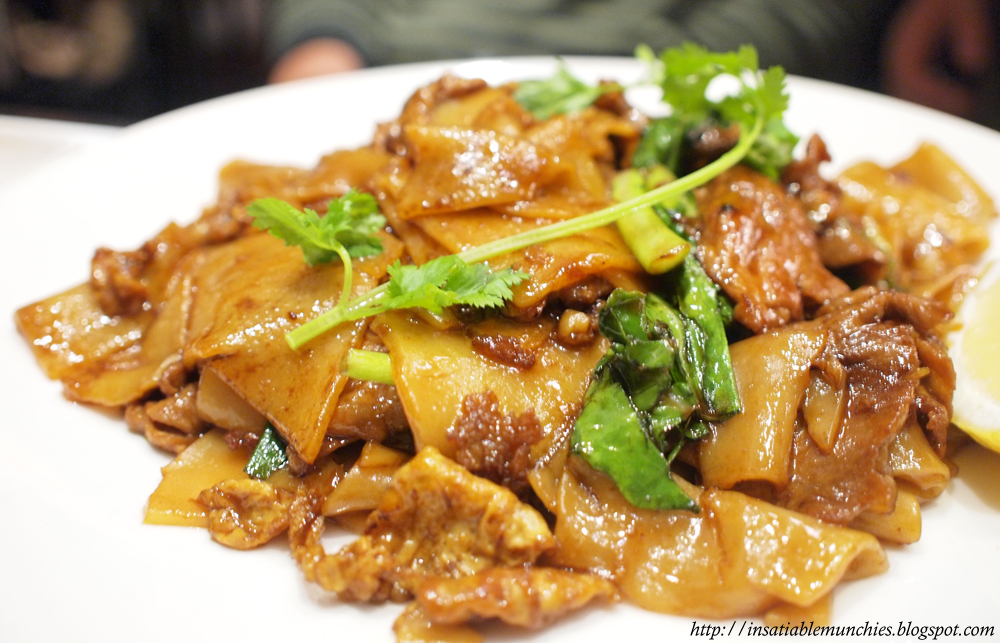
(705, 313)
(667, 371)
(610, 437)
(268, 456)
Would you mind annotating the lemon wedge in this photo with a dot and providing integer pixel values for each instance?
(975, 350)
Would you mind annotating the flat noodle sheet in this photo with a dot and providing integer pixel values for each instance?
(252, 292)
(435, 370)
(772, 372)
(70, 334)
(106, 358)
(554, 265)
(739, 556)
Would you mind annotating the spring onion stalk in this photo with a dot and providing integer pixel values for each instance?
(370, 366)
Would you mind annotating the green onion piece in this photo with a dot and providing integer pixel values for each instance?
(371, 366)
(268, 456)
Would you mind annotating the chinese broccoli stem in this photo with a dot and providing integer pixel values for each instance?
(658, 248)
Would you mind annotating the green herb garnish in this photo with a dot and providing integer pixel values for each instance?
(346, 230)
(760, 101)
(561, 94)
(435, 285)
(684, 75)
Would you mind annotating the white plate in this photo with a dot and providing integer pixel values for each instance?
(76, 562)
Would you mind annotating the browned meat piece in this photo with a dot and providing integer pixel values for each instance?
(584, 294)
(935, 392)
(530, 597)
(708, 143)
(367, 411)
(493, 445)
(179, 411)
(171, 424)
(116, 279)
(436, 519)
(159, 436)
(504, 350)
(893, 367)
(244, 514)
(755, 242)
(842, 242)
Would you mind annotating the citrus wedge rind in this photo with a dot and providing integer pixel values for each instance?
(974, 347)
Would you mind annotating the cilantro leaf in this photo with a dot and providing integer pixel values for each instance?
(685, 74)
(346, 230)
(348, 226)
(420, 286)
(450, 281)
(561, 94)
(435, 285)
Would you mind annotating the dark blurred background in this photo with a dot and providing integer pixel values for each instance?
(120, 61)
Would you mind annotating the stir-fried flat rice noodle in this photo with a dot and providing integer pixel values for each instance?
(460, 471)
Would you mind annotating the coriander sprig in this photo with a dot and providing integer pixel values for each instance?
(561, 94)
(435, 285)
(684, 75)
(346, 230)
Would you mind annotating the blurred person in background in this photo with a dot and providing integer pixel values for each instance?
(122, 60)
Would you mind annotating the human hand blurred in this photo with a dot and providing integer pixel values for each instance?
(316, 57)
(936, 51)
